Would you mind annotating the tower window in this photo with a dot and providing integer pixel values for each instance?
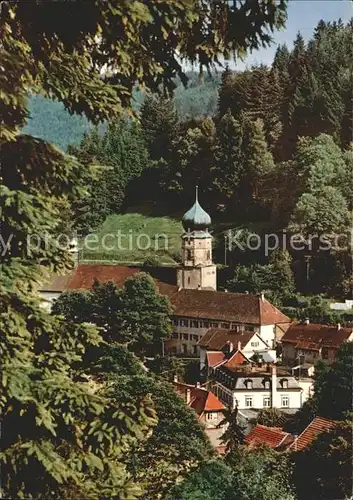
(189, 279)
(208, 255)
(188, 254)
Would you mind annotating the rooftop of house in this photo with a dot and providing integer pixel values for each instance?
(215, 358)
(217, 338)
(225, 306)
(201, 400)
(271, 436)
(83, 276)
(204, 304)
(316, 427)
(238, 378)
(314, 336)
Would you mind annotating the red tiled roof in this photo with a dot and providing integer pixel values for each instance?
(270, 436)
(214, 358)
(216, 338)
(236, 359)
(316, 427)
(85, 274)
(207, 304)
(200, 399)
(225, 306)
(309, 336)
(57, 283)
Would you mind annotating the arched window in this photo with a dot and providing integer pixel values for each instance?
(188, 254)
(208, 255)
(189, 280)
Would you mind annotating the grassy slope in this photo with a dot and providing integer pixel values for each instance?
(131, 226)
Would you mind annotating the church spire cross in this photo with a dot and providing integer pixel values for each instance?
(197, 193)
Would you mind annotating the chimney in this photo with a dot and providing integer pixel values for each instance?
(339, 326)
(246, 291)
(74, 249)
(188, 396)
(274, 386)
(175, 378)
(231, 347)
(239, 345)
(198, 385)
(262, 297)
(307, 321)
(199, 287)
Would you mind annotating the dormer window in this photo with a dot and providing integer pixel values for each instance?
(267, 384)
(248, 384)
(285, 383)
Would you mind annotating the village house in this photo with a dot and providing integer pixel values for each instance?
(306, 343)
(226, 342)
(256, 388)
(208, 408)
(192, 290)
(273, 437)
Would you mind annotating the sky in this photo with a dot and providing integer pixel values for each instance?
(303, 16)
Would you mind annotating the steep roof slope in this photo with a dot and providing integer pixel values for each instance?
(313, 335)
(271, 436)
(316, 427)
(225, 306)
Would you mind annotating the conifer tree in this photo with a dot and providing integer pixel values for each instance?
(258, 159)
(228, 157)
(225, 92)
(159, 122)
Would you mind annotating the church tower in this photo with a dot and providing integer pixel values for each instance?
(197, 270)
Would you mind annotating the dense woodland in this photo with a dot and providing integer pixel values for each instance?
(81, 417)
(275, 156)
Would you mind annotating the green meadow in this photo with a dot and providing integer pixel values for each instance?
(132, 238)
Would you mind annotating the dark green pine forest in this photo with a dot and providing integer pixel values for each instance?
(270, 148)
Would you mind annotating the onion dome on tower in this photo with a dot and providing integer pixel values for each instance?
(196, 219)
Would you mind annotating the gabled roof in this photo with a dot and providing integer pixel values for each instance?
(216, 338)
(225, 306)
(316, 427)
(271, 436)
(204, 304)
(314, 336)
(215, 358)
(83, 276)
(201, 399)
(236, 359)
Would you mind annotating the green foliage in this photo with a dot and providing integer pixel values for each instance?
(333, 385)
(261, 474)
(271, 417)
(166, 367)
(302, 418)
(275, 278)
(136, 314)
(162, 236)
(122, 153)
(177, 444)
(211, 481)
(233, 436)
(324, 469)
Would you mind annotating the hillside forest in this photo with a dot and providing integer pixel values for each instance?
(84, 413)
(269, 148)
